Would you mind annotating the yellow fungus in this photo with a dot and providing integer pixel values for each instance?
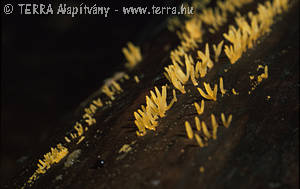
(50, 158)
(211, 94)
(223, 91)
(226, 123)
(73, 135)
(88, 111)
(117, 86)
(189, 130)
(93, 108)
(125, 148)
(98, 102)
(205, 130)
(126, 76)
(197, 123)
(156, 105)
(90, 120)
(234, 92)
(199, 140)
(201, 169)
(105, 89)
(136, 78)
(199, 109)
(67, 139)
(194, 29)
(259, 67)
(214, 126)
(205, 57)
(132, 55)
(80, 140)
(78, 128)
(218, 50)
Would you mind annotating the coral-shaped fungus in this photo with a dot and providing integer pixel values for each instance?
(199, 109)
(225, 122)
(132, 54)
(156, 106)
(211, 94)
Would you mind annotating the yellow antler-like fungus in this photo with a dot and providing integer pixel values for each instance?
(226, 123)
(211, 94)
(199, 109)
(132, 54)
(218, 50)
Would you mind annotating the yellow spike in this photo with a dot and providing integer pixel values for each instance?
(218, 50)
(90, 120)
(189, 130)
(126, 76)
(234, 92)
(212, 94)
(203, 94)
(223, 91)
(198, 124)
(214, 126)
(136, 78)
(67, 139)
(117, 86)
(105, 89)
(93, 108)
(87, 110)
(205, 131)
(98, 102)
(132, 55)
(80, 140)
(78, 128)
(199, 109)
(226, 123)
(73, 135)
(199, 140)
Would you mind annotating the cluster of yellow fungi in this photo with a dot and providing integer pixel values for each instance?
(203, 133)
(241, 38)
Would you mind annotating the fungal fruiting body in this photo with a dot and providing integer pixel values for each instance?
(177, 77)
(199, 140)
(241, 38)
(264, 75)
(218, 50)
(156, 105)
(234, 92)
(189, 130)
(199, 109)
(136, 78)
(214, 126)
(52, 157)
(205, 130)
(194, 29)
(205, 58)
(225, 122)
(247, 33)
(197, 123)
(211, 94)
(132, 54)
